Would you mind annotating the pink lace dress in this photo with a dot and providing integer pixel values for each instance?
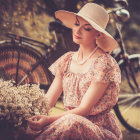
(101, 123)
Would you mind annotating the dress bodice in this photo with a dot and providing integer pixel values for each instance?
(103, 68)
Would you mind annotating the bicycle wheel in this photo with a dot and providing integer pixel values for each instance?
(128, 107)
(28, 58)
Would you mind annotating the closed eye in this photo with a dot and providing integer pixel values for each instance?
(77, 24)
(88, 29)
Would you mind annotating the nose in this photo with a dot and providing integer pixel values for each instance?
(78, 30)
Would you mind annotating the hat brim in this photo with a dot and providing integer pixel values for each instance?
(69, 18)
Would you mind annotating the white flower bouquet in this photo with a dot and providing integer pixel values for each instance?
(18, 103)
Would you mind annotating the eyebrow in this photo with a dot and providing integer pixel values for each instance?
(87, 25)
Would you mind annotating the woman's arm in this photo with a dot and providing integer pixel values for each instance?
(91, 97)
(55, 90)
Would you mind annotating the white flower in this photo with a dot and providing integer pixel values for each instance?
(20, 103)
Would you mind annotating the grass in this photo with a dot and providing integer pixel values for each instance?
(126, 134)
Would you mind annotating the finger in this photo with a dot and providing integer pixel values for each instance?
(35, 128)
(32, 122)
(34, 118)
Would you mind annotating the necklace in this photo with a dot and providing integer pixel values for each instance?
(85, 59)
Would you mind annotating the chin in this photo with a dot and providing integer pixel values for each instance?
(77, 41)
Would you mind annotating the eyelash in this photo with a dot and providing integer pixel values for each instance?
(87, 29)
(76, 24)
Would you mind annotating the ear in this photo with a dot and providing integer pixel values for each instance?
(101, 40)
(98, 34)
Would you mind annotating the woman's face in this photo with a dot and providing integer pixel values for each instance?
(83, 32)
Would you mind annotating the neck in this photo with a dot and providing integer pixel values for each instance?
(84, 51)
(85, 59)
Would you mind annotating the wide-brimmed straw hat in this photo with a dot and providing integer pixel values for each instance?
(97, 17)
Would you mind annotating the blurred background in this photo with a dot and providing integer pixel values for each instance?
(32, 19)
(35, 19)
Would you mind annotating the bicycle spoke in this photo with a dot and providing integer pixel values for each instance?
(128, 95)
(23, 79)
(128, 80)
(130, 106)
(126, 99)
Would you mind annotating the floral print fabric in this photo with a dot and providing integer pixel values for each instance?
(101, 123)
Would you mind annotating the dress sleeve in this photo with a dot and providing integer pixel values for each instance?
(60, 64)
(106, 69)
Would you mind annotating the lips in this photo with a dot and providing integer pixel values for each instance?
(77, 37)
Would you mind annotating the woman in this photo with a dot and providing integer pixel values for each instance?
(89, 79)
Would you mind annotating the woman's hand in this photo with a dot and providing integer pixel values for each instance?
(36, 123)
